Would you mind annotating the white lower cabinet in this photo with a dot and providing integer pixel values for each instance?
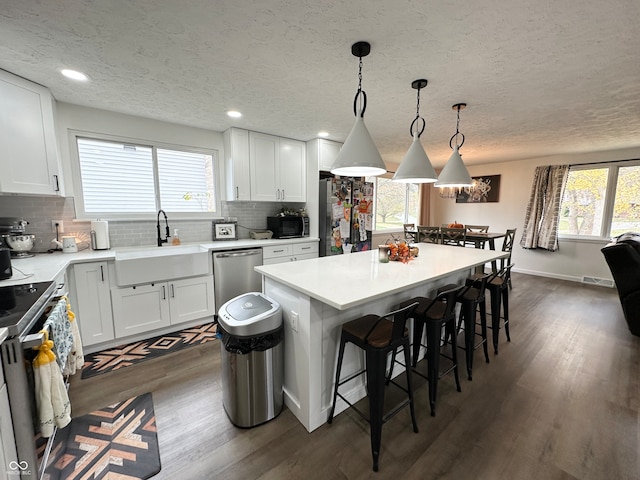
(142, 308)
(290, 252)
(92, 304)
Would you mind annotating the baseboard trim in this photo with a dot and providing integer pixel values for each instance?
(600, 282)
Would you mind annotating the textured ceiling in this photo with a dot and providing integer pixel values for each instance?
(539, 77)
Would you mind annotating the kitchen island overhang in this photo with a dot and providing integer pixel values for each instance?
(319, 295)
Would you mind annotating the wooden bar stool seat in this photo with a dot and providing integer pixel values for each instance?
(377, 336)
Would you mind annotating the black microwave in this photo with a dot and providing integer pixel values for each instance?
(289, 226)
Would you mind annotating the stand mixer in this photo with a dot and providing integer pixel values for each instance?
(13, 236)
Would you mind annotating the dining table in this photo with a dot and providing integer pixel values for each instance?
(479, 239)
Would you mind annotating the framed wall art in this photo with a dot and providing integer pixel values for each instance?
(225, 230)
(485, 189)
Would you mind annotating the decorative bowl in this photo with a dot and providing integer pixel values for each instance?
(20, 242)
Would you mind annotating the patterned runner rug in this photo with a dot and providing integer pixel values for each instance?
(136, 352)
(115, 442)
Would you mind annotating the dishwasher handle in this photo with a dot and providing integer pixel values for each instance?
(246, 253)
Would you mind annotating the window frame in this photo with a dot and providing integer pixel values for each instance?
(613, 168)
(81, 214)
(406, 203)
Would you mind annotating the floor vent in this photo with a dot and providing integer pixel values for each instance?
(604, 282)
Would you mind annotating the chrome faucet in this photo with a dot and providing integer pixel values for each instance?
(166, 226)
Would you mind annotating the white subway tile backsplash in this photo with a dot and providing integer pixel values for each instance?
(39, 211)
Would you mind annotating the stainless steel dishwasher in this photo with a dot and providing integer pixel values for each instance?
(233, 273)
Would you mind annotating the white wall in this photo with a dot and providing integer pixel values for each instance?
(573, 260)
(74, 117)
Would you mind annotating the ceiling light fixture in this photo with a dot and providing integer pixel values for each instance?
(234, 114)
(455, 174)
(359, 156)
(323, 134)
(416, 167)
(74, 75)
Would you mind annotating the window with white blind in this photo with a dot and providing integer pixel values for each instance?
(122, 179)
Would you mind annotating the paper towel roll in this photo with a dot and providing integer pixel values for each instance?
(101, 229)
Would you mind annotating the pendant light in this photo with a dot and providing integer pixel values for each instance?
(416, 167)
(359, 156)
(455, 174)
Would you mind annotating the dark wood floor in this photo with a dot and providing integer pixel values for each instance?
(560, 401)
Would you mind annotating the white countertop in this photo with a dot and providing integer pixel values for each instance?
(345, 281)
(44, 267)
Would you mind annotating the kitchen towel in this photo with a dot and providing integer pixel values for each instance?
(101, 229)
(54, 408)
(58, 324)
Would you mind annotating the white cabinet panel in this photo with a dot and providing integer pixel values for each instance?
(237, 168)
(29, 160)
(93, 302)
(147, 307)
(278, 168)
(263, 155)
(292, 171)
(289, 252)
(191, 298)
(322, 153)
(140, 308)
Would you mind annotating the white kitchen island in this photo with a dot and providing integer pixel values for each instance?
(319, 295)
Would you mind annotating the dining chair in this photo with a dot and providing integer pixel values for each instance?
(476, 229)
(410, 232)
(507, 246)
(453, 236)
(428, 234)
(377, 336)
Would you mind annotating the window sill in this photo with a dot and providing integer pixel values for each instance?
(594, 240)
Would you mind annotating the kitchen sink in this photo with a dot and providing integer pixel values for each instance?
(148, 265)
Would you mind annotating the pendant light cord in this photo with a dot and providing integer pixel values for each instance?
(418, 118)
(455, 135)
(363, 100)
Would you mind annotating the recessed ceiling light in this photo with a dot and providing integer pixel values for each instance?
(323, 134)
(234, 114)
(75, 75)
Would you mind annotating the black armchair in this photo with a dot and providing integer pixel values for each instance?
(623, 258)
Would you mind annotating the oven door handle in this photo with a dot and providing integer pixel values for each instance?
(32, 340)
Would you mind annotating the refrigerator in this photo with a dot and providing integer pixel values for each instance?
(346, 216)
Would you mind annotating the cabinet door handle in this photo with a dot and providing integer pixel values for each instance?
(57, 183)
(102, 272)
(237, 192)
(283, 194)
(164, 293)
(305, 248)
(278, 194)
(173, 292)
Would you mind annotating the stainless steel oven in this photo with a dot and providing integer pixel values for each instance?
(22, 312)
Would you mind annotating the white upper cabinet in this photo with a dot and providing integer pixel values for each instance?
(29, 160)
(323, 152)
(277, 169)
(236, 157)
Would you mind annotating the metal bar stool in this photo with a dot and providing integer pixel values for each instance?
(436, 314)
(472, 299)
(377, 336)
(499, 292)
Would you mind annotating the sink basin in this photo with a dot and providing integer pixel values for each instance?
(148, 265)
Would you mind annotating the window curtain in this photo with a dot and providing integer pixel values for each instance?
(543, 211)
(425, 204)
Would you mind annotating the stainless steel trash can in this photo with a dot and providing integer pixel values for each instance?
(252, 359)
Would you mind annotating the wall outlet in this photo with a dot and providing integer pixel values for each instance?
(60, 225)
(294, 321)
